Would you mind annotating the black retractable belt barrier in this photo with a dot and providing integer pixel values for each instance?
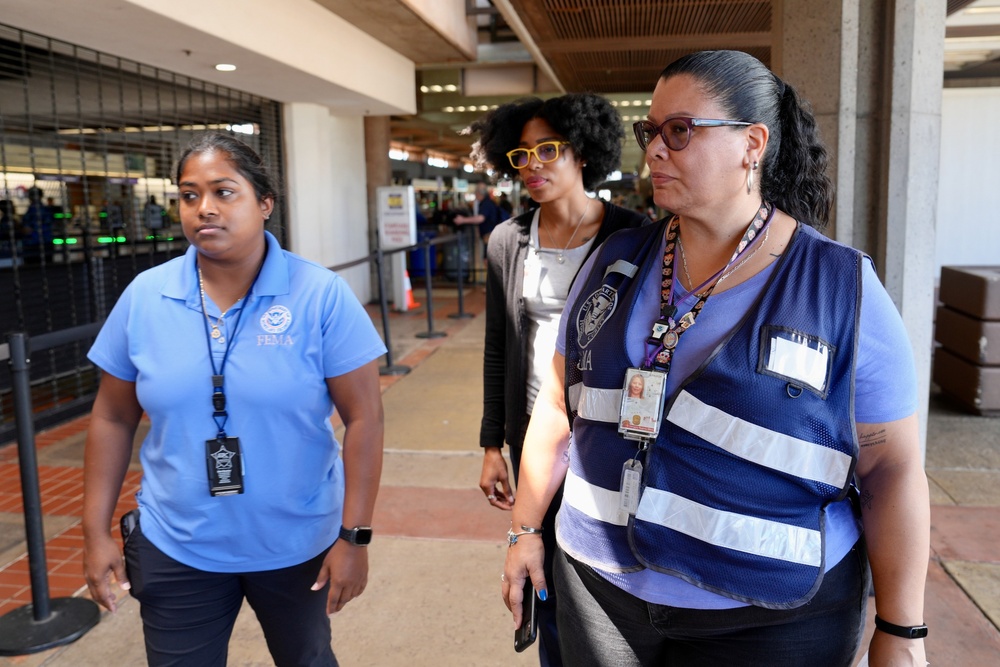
(45, 623)
(383, 299)
(430, 333)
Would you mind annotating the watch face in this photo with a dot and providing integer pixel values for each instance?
(361, 535)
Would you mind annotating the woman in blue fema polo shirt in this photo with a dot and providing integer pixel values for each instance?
(238, 353)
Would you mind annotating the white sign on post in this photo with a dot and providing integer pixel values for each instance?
(397, 219)
(397, 228)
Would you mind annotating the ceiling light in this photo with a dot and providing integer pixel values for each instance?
(648, 102)
(626, 103)
(460, 108)
(225, 67)
(436, 88)
(614, 103)
(448, 109)
(425, 89)
(637, 103)
(451, 88)
(483, 107)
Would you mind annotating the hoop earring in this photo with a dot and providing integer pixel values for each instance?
(750, 170)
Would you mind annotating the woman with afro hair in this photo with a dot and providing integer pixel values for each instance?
(560, 148)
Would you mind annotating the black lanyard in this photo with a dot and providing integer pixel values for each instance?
(219, 413)
(667, 331)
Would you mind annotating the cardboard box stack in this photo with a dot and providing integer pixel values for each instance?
(967, 365)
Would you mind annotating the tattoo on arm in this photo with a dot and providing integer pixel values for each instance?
(866, 499)
(872, 438)
(565, 455)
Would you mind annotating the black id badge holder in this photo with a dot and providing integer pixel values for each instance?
(225, 466)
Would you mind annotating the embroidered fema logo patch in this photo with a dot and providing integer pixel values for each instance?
(594, 313)
(276, 320)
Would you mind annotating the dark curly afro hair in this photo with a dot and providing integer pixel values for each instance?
(587, 121)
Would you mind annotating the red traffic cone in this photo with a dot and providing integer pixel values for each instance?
(410, 302)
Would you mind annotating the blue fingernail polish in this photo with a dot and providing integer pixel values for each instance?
(543, 595)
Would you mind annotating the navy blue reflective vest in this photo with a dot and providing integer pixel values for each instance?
(754, 446)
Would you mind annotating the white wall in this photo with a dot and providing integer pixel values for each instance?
(285, 50)
(968, 215)
(326, 190)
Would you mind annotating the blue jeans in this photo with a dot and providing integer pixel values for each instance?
(188, 614)
(599, 624)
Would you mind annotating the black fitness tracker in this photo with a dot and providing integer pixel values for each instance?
(904, 631)
(360, 536)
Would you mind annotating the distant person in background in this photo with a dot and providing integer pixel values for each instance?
(7, 227)
(485, 213)
(112, 219)
(36, 228)
(153, 215)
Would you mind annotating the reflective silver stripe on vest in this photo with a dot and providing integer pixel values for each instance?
(760, 445)
(599, 405)
(732, 531)
(594, 501)
(623, 267)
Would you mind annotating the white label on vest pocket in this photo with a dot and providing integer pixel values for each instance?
(799, 358)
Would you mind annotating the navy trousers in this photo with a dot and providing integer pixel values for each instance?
(188, 614)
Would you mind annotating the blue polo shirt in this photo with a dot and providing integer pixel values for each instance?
(299, 325)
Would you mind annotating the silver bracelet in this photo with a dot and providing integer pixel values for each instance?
(525, 530)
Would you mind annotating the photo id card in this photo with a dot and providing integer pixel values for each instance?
(642, 404)
(225, 466)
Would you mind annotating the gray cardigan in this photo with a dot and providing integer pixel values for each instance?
(505, 372)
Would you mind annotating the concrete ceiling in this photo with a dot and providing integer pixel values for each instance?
(617, 48)
(516, 48)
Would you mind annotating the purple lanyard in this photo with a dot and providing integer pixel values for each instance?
(667, 331)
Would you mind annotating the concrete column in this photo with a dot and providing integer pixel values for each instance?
(326, 190)
(378, 167)
(812, 36)
(871, 155)
(912, 178)
(378, 172)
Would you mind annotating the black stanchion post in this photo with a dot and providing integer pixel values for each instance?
(461, 314)
(44, 623)
(430, 333)
(389, 368)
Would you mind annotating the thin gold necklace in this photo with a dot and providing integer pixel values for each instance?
(559, 254)
(684, 261)
(215, 326)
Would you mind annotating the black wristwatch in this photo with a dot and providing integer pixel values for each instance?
(360, 536)
(904, 631)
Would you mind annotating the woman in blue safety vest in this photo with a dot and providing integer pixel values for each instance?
(731, 516)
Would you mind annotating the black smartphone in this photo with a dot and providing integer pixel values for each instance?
(525, 635)
(128, 523)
